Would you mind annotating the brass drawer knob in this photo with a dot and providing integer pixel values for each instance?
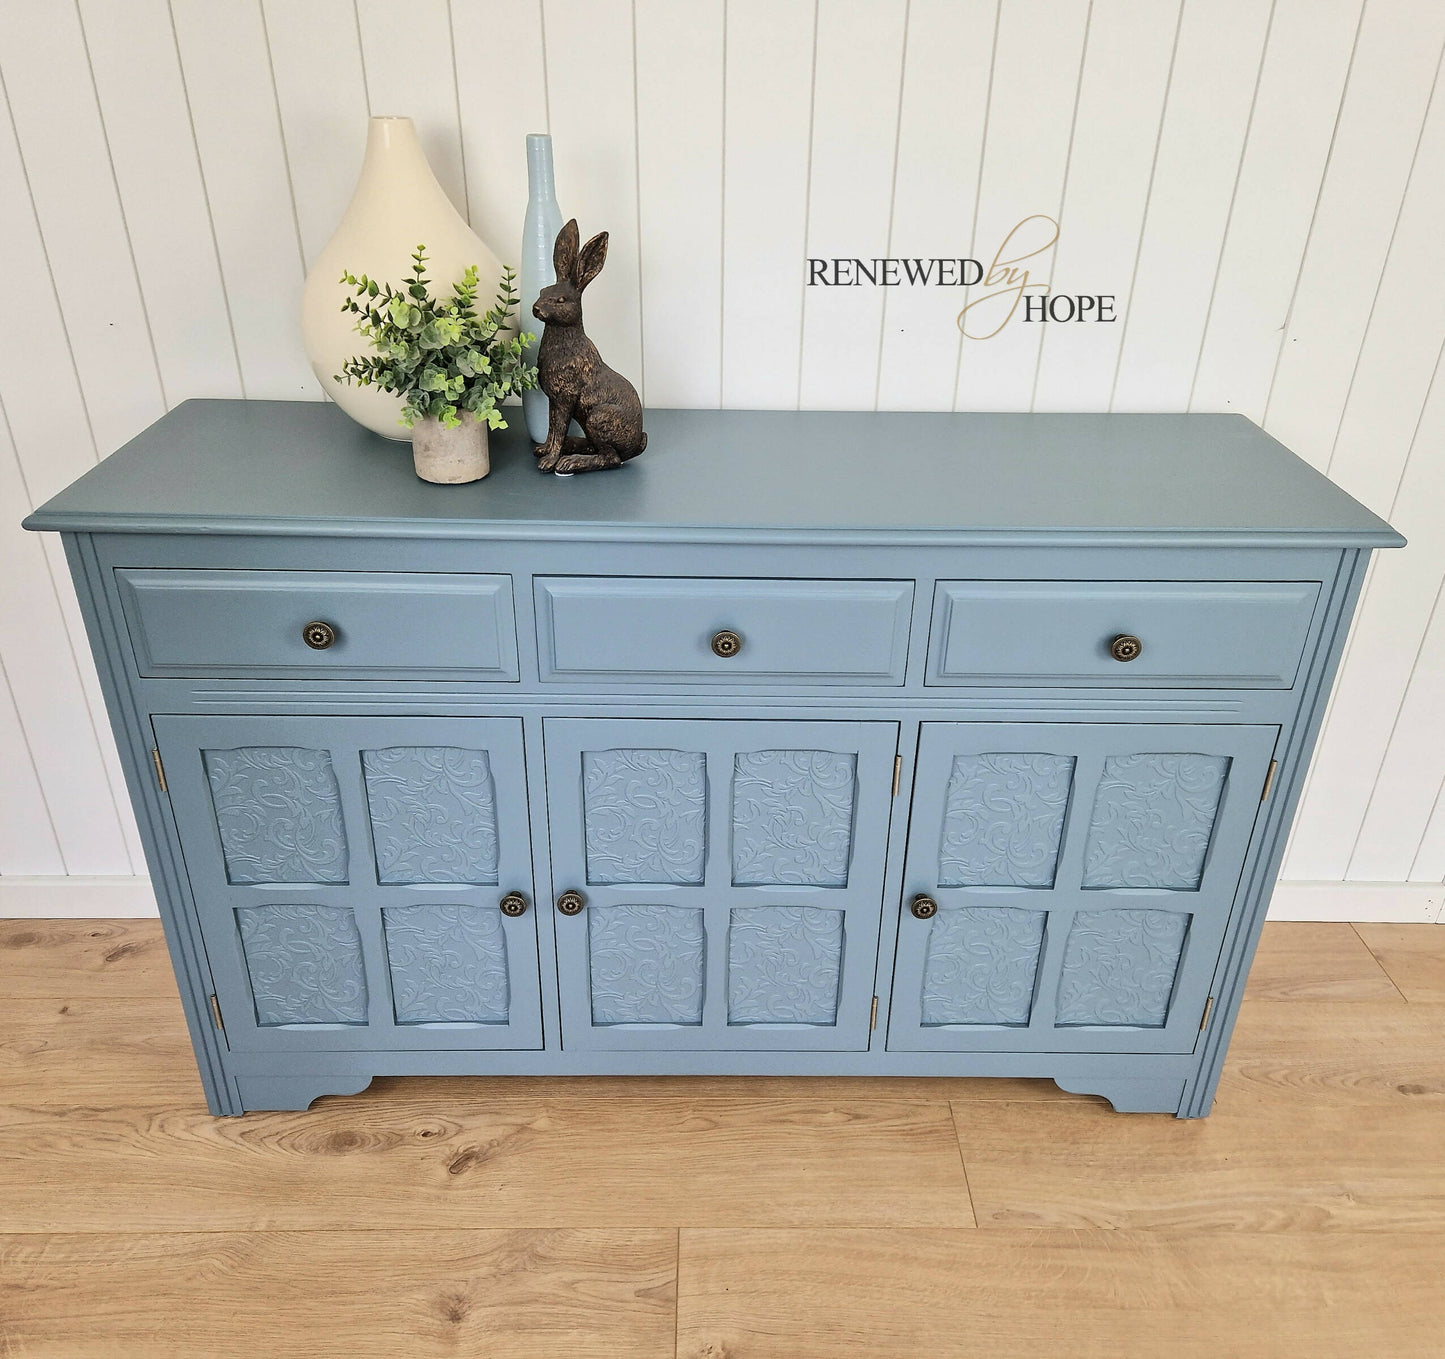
(1125, 647)
(571, 902)
(924, 907)
(318, 635)
(726, 644)
(513, 904)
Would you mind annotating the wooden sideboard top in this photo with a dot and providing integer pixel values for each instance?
(299, 467)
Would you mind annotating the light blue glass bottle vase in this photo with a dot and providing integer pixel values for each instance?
(539, 233)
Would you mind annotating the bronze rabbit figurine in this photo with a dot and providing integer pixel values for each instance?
(571, 372)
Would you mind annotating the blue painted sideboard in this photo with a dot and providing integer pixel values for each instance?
(911, 744)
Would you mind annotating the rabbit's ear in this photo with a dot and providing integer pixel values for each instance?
(591, 260)
(564, 253)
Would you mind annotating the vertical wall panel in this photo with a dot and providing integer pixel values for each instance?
(138, 83)
(1036, 72)
(48, 421)
(1300, 86)
(1429, 865)
(1387, 376)
(67, 163)
(591, 95)
(321, 98)
(182, 171)
(227, 70)
(494, 130)
(1396, 57)
(767, 122)
(940, 149)
(1407, 780)
(680, 189)
(45, 681)
(855, 121)
(1377, 435)
(1116, 128)
(1216, 65)
(27, 839)
(43, 651)
(410, 71)
(1394, 364)
(1391, 690)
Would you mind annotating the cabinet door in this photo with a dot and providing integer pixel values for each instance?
(732, 875)
(349, 874)
(1083, 875)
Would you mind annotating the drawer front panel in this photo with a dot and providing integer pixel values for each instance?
(655, 629)
(251, 623)
(1224, 634)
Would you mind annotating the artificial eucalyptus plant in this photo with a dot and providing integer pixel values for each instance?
(439, 355)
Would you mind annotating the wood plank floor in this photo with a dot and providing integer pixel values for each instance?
(725, 1218)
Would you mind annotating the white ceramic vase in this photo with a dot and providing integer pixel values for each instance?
(397, 206)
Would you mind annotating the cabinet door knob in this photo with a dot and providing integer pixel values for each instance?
(513, 904)
(924, 907)
(1125, 647)
(726, 644)
(318, 635)
(571, 902)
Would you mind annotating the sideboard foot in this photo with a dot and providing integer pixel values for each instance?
(1129, 1094)
(294, 1092)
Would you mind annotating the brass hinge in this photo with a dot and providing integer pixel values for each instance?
(1269, 779)
(873, 1017)
(897, 773)
(1204, 1018)
(216, 1013)
(160, 768)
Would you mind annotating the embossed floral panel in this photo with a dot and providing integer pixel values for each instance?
(1003, 818)
(784, 964)
(1153, 816)
(278, 811)
(448, 963)
(980, 965)
(1119, 967)
(646, 964)
(305, 963)
(792, 818)
(646, 816)
(433, 814)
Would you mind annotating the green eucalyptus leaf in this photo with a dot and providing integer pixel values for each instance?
(437, 353)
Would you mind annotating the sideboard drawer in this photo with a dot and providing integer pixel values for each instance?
(1197, 634)
(723, 631)
(255, 623)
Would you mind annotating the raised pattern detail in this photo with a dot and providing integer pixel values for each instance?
(448, 963)
(1119, 967)
(278, 811)
(433, 814)
(304, 959)
(1003, 818)
(1153, 816)
(980, 965)
(646, 816)
(646, 964)
(792, 818)
(784, 964)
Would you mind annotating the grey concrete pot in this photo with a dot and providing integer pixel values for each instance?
(451, 456)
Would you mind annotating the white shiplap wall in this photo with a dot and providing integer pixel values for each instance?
(1260, 182)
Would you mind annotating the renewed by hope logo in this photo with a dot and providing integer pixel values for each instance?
(1002, 288)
